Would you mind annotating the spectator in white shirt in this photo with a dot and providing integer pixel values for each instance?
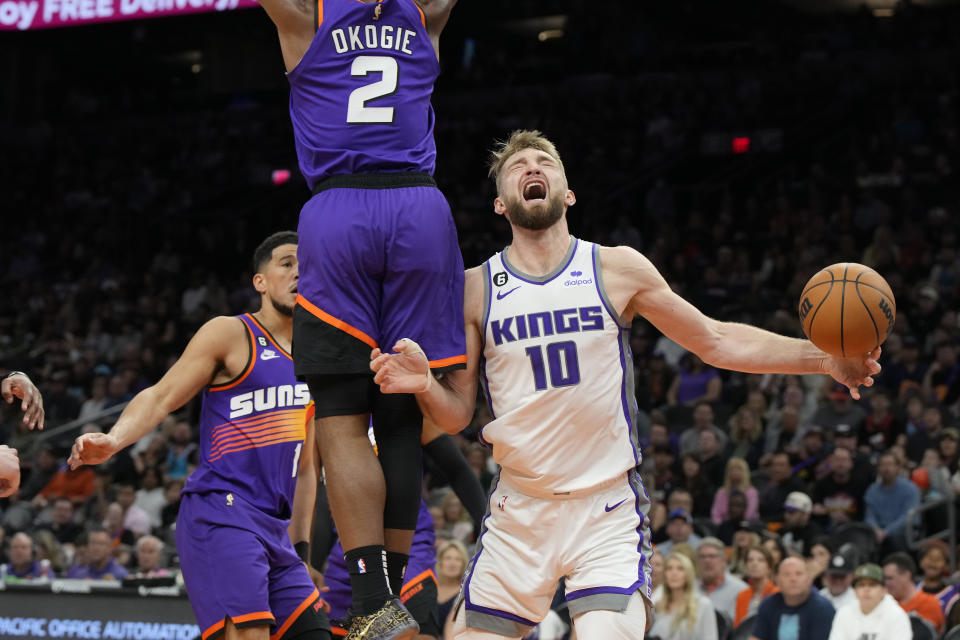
(875, 615)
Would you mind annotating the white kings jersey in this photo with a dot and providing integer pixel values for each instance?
(558, 375)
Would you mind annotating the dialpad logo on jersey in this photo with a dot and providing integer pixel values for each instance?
(285, 395)
(547, 323)
(576, 280)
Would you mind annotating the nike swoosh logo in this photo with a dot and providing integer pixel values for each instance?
(608, 508)
(501, 295)
(268, 356)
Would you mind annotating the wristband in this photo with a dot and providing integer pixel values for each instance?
(303, 550)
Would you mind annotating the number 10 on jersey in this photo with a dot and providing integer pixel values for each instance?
(562, 362)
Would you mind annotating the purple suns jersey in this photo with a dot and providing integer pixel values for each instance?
(360, 96)
(252, 429)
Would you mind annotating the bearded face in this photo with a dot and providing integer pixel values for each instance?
(534, 214)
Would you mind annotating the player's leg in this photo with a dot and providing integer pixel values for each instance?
(397, 424)
(354, 482)
(610, 550)
(628, 624)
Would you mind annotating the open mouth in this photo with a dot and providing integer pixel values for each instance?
(535, 190)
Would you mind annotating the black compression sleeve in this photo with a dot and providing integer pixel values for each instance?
(448, 458)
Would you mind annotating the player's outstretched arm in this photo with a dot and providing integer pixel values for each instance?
(436, 13)
(19, 385)
(632, 280)
(449, 402)
(9, 471)
(204, 356)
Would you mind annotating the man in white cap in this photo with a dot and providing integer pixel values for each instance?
(875, 614)
(798, 532)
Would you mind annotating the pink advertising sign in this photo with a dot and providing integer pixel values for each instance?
(43, 14)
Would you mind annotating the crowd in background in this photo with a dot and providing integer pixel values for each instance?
(120, 252)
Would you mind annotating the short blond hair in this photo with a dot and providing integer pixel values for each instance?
(518, 141)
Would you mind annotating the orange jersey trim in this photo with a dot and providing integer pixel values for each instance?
(337, 631)
(277, 440)
(229, 438)
(266, 616)
(319, 13)
(269, 337)
(446, 362)
(423, 18)
(292, 430)
(336, 322)
(246, 372)
(426, 575)
(277, 422)
(255, 420)
(313, 597)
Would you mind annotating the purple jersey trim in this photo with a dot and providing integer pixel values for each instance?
(601, 290)
(499, 614)
(483, 531)
(641, 578)
(623, 396)
(515, 274)
(592, 591)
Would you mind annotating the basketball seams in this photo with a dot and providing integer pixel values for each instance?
(883, 293)
(815, 311)
(856, 287)
(843, 299)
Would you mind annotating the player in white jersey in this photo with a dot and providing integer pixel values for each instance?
(547, 324)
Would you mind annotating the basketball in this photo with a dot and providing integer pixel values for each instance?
(847, 309)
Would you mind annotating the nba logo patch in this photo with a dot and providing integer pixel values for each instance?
(361, 565)
(502, 503)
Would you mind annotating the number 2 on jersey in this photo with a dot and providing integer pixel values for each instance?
(562, 361)
(357, 111)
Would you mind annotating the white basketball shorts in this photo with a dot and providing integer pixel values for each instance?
(598, 540)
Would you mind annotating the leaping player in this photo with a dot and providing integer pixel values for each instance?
(379, 260)
(243, 575)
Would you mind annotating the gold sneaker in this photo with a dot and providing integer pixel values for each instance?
(392, 621)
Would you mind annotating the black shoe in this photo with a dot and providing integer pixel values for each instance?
(392, 621)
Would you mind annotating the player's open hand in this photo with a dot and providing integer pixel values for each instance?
(9, 471)
(20, 386)
(406, 371)
(854, 372)
(92, 448)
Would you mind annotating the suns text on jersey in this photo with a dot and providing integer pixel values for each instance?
(547, 323)
(285, 395)
(384, 37)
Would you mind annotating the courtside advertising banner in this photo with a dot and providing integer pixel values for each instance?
(24, 15)
(127, 614)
